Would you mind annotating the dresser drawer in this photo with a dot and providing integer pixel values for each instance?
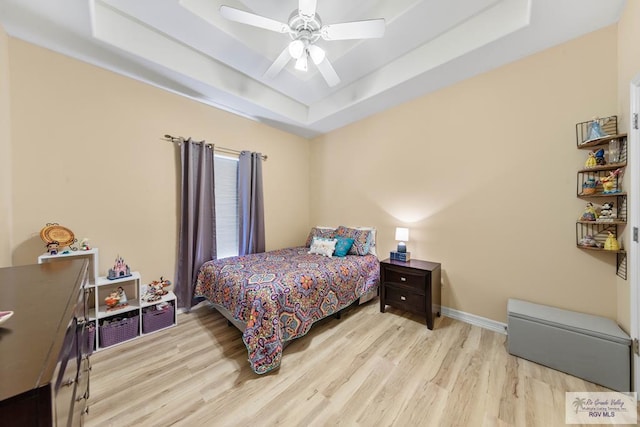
(403, 298)
(405, 277)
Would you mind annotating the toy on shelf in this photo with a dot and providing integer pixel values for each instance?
(609, 182)
(594, 131)
(589, 242)
(611, 244)
(589, 186)
(119, 270)
(589, 213)
(596, 158)
(52, 247)
(607, 213)
(156, 290)
(591, 160)
(116, 300)
(84, 244)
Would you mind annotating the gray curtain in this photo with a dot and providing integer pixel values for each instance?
(250, 204)
(197, 242)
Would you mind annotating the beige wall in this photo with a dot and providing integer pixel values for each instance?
(484, 175)
(89, 155)
(628, 68)
(5, 153)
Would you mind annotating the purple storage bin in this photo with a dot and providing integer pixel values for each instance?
(91, 338)
(117, 332)
(153, 320)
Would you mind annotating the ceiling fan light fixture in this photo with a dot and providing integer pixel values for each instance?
(301, 63)
(317, 54)
(296, 48)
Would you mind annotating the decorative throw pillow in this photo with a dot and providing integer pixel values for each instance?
(324, 247)
(372, 246)
(342, 246)
(361, 239)
(322, 232)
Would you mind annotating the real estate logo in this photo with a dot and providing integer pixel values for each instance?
(601, 408)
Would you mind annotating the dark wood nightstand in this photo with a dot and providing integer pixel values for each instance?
(412, 286)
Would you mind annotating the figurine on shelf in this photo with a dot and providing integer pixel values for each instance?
(120, 269)
(591, 160)
(116, 300)
(112, 300)
(53, 247)
(599, 155)
(611, 244)
(594, 131)
(156, 290)
(589, 186)
(121, 295)
(589, 213)
(607, 213)
(84, 244)
(588, 241)
(609, 182)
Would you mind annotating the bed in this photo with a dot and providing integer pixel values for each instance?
(276, 296)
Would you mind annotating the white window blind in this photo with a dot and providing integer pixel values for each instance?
(226, 176)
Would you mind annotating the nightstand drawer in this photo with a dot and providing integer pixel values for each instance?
(405, 278)
(403, 298)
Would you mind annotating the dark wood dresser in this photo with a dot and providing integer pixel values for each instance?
(44, 354)
(413, 286)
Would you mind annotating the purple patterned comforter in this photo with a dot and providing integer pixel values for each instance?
(280, 294)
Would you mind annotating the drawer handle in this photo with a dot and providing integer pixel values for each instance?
(403, 298)
(403, 279)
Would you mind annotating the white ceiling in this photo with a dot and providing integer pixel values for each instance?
(185, 46)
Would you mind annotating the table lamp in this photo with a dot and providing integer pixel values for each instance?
(402, 236)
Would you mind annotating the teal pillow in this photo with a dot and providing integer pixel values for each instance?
(342, 246)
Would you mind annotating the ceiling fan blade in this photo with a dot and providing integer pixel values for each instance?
(307, 8)
(327, 71)
(369, 29)
(248, 18)
(278, 64)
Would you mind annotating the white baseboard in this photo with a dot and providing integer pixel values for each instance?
(472, 319)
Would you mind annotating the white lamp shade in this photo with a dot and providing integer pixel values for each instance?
(402, 234)
(317, 54)
(296, 49)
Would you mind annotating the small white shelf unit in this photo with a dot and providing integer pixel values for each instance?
(101, 287)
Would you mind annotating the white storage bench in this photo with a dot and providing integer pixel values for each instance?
(590, 347)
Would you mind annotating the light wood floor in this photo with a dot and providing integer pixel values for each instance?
(366, 369)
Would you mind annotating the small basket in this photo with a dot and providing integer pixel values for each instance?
(119, 331)
(154, 320)
(91, 338)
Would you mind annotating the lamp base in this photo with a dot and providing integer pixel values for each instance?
(400, 256)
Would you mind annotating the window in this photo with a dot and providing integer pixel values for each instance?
(226, 176)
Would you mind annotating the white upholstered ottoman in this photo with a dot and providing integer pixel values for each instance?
(590, 347)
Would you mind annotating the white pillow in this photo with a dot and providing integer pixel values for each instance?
(324, 247)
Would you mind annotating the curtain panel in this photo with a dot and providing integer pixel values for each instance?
(197, 237)
(250, 204)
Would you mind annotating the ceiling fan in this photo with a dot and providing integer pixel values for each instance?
(305, 29)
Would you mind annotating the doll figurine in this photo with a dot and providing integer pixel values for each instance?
(611, 244)
(589, 213)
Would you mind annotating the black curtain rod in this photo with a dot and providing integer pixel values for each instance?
(180, 140)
